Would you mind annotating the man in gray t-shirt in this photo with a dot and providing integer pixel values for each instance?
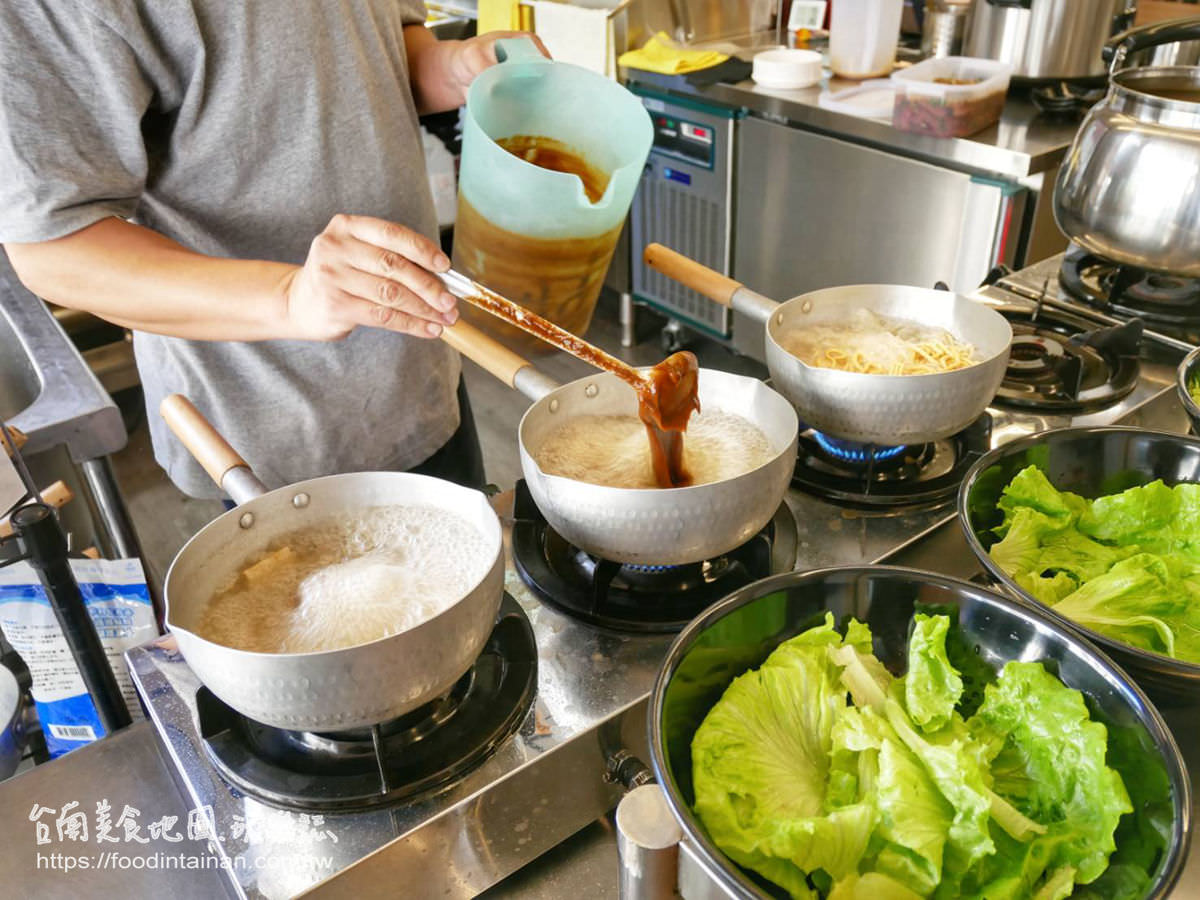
(243, 185)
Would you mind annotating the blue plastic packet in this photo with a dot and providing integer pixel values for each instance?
(117, 598)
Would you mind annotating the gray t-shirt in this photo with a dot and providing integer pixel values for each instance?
(238, 129)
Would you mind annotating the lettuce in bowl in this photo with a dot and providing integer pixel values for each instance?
(831, 778)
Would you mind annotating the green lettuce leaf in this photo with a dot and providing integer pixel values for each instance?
(1053, 768)
(964, 657)
(1126, 565)
(1079, 556)
(871, 886)
(1031, 489)
(761, 760)
(1141, 515)
(1134, 602)
(912, 818)
(1049, 589)
(1186, 527)
(960, 780)
(932, 686)
(1037, 545)
(850, 801)
(1021, 548)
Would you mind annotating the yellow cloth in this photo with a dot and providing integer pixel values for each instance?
(503, 15)
(659, 56)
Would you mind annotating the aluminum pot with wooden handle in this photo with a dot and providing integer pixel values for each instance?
(651, 526)
(884, 410)
(334, 689)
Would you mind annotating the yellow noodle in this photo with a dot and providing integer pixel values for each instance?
(869, 343)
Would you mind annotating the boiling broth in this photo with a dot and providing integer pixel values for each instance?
(346, 580)
(611, 450)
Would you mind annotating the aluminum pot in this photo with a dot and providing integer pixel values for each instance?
(654, 526)
(336, 689)
(1128, 189)
(740, 632)
(1046, 39)
(884, 410)
(1090, 462)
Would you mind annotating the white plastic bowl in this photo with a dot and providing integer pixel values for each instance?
(787, 69)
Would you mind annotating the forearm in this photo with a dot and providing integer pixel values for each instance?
(435, 86)
(140, 279)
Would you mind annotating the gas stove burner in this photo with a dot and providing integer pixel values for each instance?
(1064, 363)
(1166, 302)
(1069, 99)
(414, 755)
(639, 598)
(852, 452)
(908, 477)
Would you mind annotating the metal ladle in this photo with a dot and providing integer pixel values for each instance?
(666, 392)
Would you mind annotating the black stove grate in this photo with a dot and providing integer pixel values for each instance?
(1060, 362)
(415, 755)
(917, 476)
(638, 598)
(1167, 303)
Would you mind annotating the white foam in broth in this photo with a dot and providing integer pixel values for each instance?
(614, 450)
(348, 579)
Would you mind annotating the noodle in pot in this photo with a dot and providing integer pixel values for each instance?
(870, 343)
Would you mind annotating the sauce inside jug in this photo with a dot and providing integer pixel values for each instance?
(557, 277)
(548, 153)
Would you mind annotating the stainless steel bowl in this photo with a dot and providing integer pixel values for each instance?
(1188, 372)
(1090, 462)
(739, 632)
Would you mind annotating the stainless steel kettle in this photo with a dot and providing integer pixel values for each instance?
(1129, 189)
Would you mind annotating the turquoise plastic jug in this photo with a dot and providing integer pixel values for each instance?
(528, 232)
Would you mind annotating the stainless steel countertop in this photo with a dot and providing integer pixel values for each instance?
(70, 407)
(1021, 144)
(129, 769)
(125, 769)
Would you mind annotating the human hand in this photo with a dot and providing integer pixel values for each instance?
(472, 56)
(366, 271)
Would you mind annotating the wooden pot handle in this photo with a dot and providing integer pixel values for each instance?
(690, 273)
(197, 434)
(56, 495)
(484, 351)
(18, 438)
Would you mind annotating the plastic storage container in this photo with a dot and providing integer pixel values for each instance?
(863, 35)
(529, 232)
(950, 97)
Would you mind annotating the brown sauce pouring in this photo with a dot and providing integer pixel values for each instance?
(667, 393)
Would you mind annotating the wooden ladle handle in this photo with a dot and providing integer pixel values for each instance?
(688, 272)
(484, 351)
(202, 440)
